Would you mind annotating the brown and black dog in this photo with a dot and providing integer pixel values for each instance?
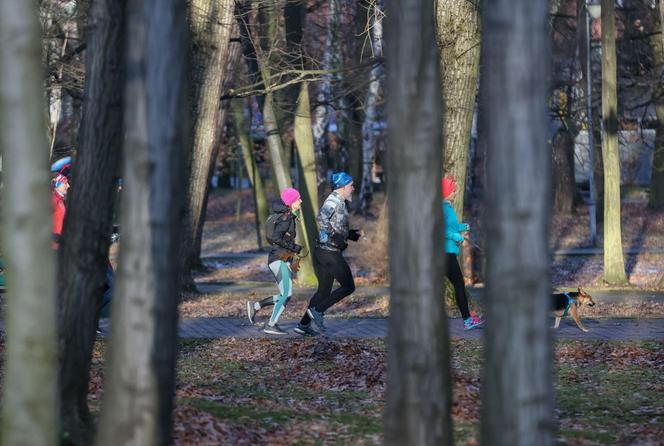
(569, 303)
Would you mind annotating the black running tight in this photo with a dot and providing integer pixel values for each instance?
(329, 265)
(453, 272)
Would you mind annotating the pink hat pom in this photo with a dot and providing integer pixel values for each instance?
(289, 196)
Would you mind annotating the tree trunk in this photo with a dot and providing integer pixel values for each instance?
(371, 112)
(517, 400)
(252, 170)
(419, 396)
(86, 236)
(563, 171)
(614, 263)
(231, 62)
(657, 179)
(595, 70)
(210, 25)
(458, 37)
(321, 118)
(304, 140)
(656, 200)
(29, 403)
(344, 55)
(274, 143)
(258, 58)
(141, 367)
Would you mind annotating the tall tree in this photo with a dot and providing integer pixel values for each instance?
(210, 22)
(141, 372)
(322, 110)
(234, 56)
(260, 55)
(656, 200)
(304, 140)
(614, 262)
(250, 165)
(85, 240)
(419, 396)
(517, 400)
(562, 148)
(458, 37)
(29, 403)
(371, 107)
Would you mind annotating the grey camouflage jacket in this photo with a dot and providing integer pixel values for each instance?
(332, 222)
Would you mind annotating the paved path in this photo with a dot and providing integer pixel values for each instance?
(368, 328)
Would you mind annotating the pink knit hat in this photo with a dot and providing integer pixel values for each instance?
(448, 185)
(289, 196)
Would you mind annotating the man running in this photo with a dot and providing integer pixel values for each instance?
(328, 259)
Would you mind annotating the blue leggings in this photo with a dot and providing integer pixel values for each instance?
(282, 274)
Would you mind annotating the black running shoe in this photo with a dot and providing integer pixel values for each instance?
(273, 329)
(305, 330)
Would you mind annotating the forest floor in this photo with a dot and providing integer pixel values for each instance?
(332, 391)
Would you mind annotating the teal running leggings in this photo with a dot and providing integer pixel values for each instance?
(282, 274)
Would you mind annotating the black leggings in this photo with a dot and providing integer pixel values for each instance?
(453, 272)
(329, 265)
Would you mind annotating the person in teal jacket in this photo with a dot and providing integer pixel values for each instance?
(454, 238)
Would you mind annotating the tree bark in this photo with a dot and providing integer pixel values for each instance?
(274, 143)
(29, 403)
(141, 367)
(371, 112)
(517, 400)
(657, 179)
(86, 236)
(252, 170)
(656, 199)
(458, 37)
(260, 56)
(304, 140)
(419, 396)
(210, 26)
(563, 171)
(614, 262)
(231, 62)
(321, 114)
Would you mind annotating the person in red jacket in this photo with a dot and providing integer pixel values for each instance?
(60, 188)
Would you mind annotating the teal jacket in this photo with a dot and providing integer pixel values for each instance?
(453, 229)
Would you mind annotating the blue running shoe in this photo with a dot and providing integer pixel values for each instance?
(318, 318)
(472, 322)
(305, 330)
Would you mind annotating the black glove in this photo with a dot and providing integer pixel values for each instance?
(297, 249)
(354, 235)
(338, 241)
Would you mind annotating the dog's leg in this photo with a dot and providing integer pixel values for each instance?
(575, 315)
(557, 322)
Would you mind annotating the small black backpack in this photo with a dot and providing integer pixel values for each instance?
(270, 225)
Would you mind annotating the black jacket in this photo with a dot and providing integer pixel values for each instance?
(284, 232)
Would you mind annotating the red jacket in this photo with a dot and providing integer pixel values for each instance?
(58, 205)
